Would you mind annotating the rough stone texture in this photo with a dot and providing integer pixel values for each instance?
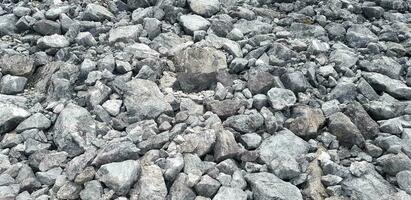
(347, 133)
(119, 176)
(267, 186)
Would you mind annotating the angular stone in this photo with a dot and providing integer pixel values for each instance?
(229, 193)
(47, 27)
(259, 82)
(197, 67)
(73, 129)
(360, 36)
(151, 185)
(295, 81)
(192, 23)
(225, 108)
(394, 163)
(69, 190)
(245, 123)
(144, 100)
(119, 176)
(394, 87)
(267, 186)
(53, 42)
(343, 58)
(11, 116)
(282, 143)
(7, 24)
(225, 146)
(307, 121)
(404, 180)
(368, 127)
(116, 152)
(36, 121)
(141, 51)
(205, 8)
(17, 65)
(347, 133)
(280, 98)
(180, 190)
(96, 12)
(92, 191)
(124, 33)
(12, 84)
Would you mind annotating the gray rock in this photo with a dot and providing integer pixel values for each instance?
(262, 186)
(394, 87)
(12, 84)
(285, 167)
(139, 3)
(7, 192)
(86, 39)
(394, 163)
(144, 100)
(152, 26)
(371, 185)
(77, 164)
(251, 140)
(11, 116)
(280, 98)
(92, 191)
(197, 67)
(282, 143)
(225, 108)
(124, 33)
(141, 51)
(21, 11)
(404, 180)
(259, 82)
(207, 186)
(96, 12)
(17, 65)
(54, 12)
(36, 121)
(204, 8)
(151, 185)
(192, 23)
(47, 27)
(254, 26)
(116, 152)
(69, 190)
(119, 176)
(384, 65)
(49, 177)
(343, 58)
(225, 146)
(347, 133)
(200, 142)
(295, 81)
(306, 121)
(238, 65)
(229, 193)
(359, 36)
(53, 42)
(180, 190)
(52, 160)
(358, 115)
(7, 25)
(245, 123)
(373, 11)
(330, 180)
(73, 130)
(113, 106)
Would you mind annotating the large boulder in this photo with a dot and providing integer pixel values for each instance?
(383, 83)
(197, 67)
(268, 186)
(73, 130)
(151, 185)
(17, 65)
(144, 100)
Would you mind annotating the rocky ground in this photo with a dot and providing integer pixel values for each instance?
(205, 99)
